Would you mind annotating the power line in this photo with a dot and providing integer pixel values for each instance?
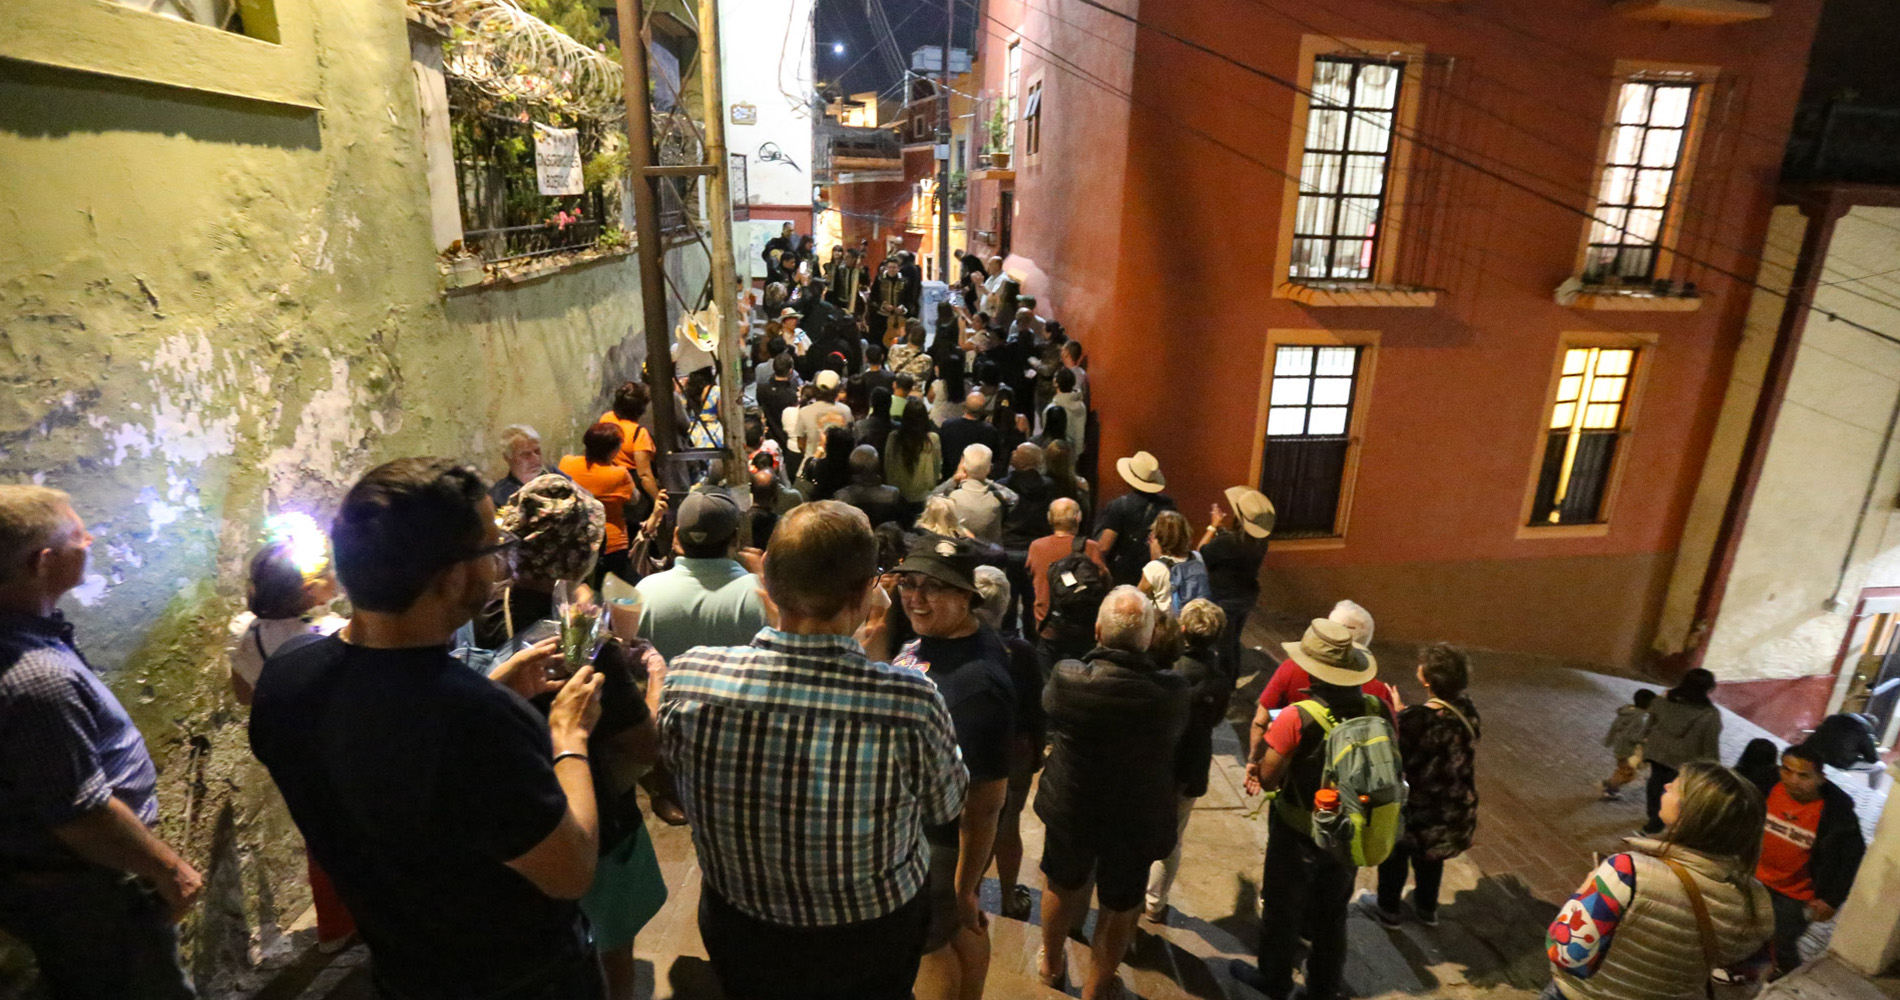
(1463, 161)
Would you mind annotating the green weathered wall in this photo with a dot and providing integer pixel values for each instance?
(212, 309)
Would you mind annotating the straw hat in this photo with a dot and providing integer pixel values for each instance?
(1253, 509)
(1327, 653)
(1143, 472)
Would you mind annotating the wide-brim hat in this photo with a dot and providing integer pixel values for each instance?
(1252, 509)
(789, 313)
(1142, 471)
(948, 560)
(1328, 654)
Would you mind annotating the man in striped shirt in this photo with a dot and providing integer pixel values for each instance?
(810, 773)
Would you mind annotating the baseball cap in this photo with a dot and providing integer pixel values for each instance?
(826, 379)
(708, 517)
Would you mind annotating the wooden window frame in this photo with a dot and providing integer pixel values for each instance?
(1032, 119)
(1399, 165)
(109, 39)
(1644, 344)
(1682, 186)
(1364, 380)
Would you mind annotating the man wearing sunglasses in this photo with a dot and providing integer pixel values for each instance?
(458, 824)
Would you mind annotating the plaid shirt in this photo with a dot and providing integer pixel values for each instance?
(809, 774)
(66, 744)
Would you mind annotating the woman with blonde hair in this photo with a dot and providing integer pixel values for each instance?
(1175, 574)
(1653, 922)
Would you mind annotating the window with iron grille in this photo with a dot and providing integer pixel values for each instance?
(1586, 425)
(1637, 186)
(1343, 171)
(1309, 419)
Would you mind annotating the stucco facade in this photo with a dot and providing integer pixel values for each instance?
(1155, 221)
(219, 299)
(767, 67)
(1819, 524)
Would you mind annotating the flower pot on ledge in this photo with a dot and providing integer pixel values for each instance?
(999, 159)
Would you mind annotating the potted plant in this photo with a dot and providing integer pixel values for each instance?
(999, 138)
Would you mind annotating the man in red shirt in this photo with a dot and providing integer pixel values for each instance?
(1811, 848)
(1310, 887)
(1289, 682)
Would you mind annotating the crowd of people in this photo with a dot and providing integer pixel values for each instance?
(849, 683)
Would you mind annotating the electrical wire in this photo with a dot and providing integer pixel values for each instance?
(1437, 148)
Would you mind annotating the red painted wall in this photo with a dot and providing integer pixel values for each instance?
(1151, 228)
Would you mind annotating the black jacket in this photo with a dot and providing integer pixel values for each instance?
(1028, 520)
(1838, 847)
(1115, 722)
(1209, 690)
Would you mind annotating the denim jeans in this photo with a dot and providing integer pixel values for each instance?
(98, 934)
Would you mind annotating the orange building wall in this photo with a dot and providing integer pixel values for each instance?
(1156, 246)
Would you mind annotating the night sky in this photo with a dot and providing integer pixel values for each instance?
(916, 23)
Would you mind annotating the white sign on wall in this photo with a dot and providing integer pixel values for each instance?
(557, 160)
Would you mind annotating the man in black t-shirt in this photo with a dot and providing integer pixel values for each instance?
(457, 823)
(1125, 521)
(970, 665)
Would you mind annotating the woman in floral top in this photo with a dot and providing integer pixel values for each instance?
(1438, 743)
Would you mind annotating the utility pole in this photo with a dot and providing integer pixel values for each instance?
(943, 146)
(725, 270)
(646, 222)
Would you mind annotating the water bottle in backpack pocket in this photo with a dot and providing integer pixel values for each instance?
(1358, 812)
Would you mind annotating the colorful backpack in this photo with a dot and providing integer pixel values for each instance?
(1361, 761)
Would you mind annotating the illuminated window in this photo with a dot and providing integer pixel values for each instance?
(1637, 185)
(1586, 424)
(1343, 171)
(1032, 120)
(1309, 414)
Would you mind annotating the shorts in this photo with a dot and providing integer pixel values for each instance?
(1121, 875)
(941, 887)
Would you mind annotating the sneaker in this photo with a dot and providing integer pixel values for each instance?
(335, 945)
(1389, 919)
(1427, 917)
(1609, 794)
(1057, 980)
(1017, 903)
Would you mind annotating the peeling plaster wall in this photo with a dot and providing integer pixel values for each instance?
(1827, 448)
(213, 308)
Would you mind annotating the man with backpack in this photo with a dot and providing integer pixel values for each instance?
(1127, 519)
(1070, 579)
(1333, 763)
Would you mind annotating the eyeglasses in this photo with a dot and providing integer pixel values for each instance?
(503, 551)
(927, 587)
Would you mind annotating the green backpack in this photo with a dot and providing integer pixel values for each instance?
(1362, 762)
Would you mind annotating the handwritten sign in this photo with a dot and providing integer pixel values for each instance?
(557, 160)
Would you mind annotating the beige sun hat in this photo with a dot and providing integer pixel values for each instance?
(1327, 653)
(1252, 508)
(1143, 472)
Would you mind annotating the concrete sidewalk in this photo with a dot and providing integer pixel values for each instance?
(1541, 826)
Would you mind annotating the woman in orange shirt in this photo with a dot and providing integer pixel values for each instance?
(596, 471)
(636, 442)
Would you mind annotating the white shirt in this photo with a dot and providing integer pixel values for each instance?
(257, 638)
